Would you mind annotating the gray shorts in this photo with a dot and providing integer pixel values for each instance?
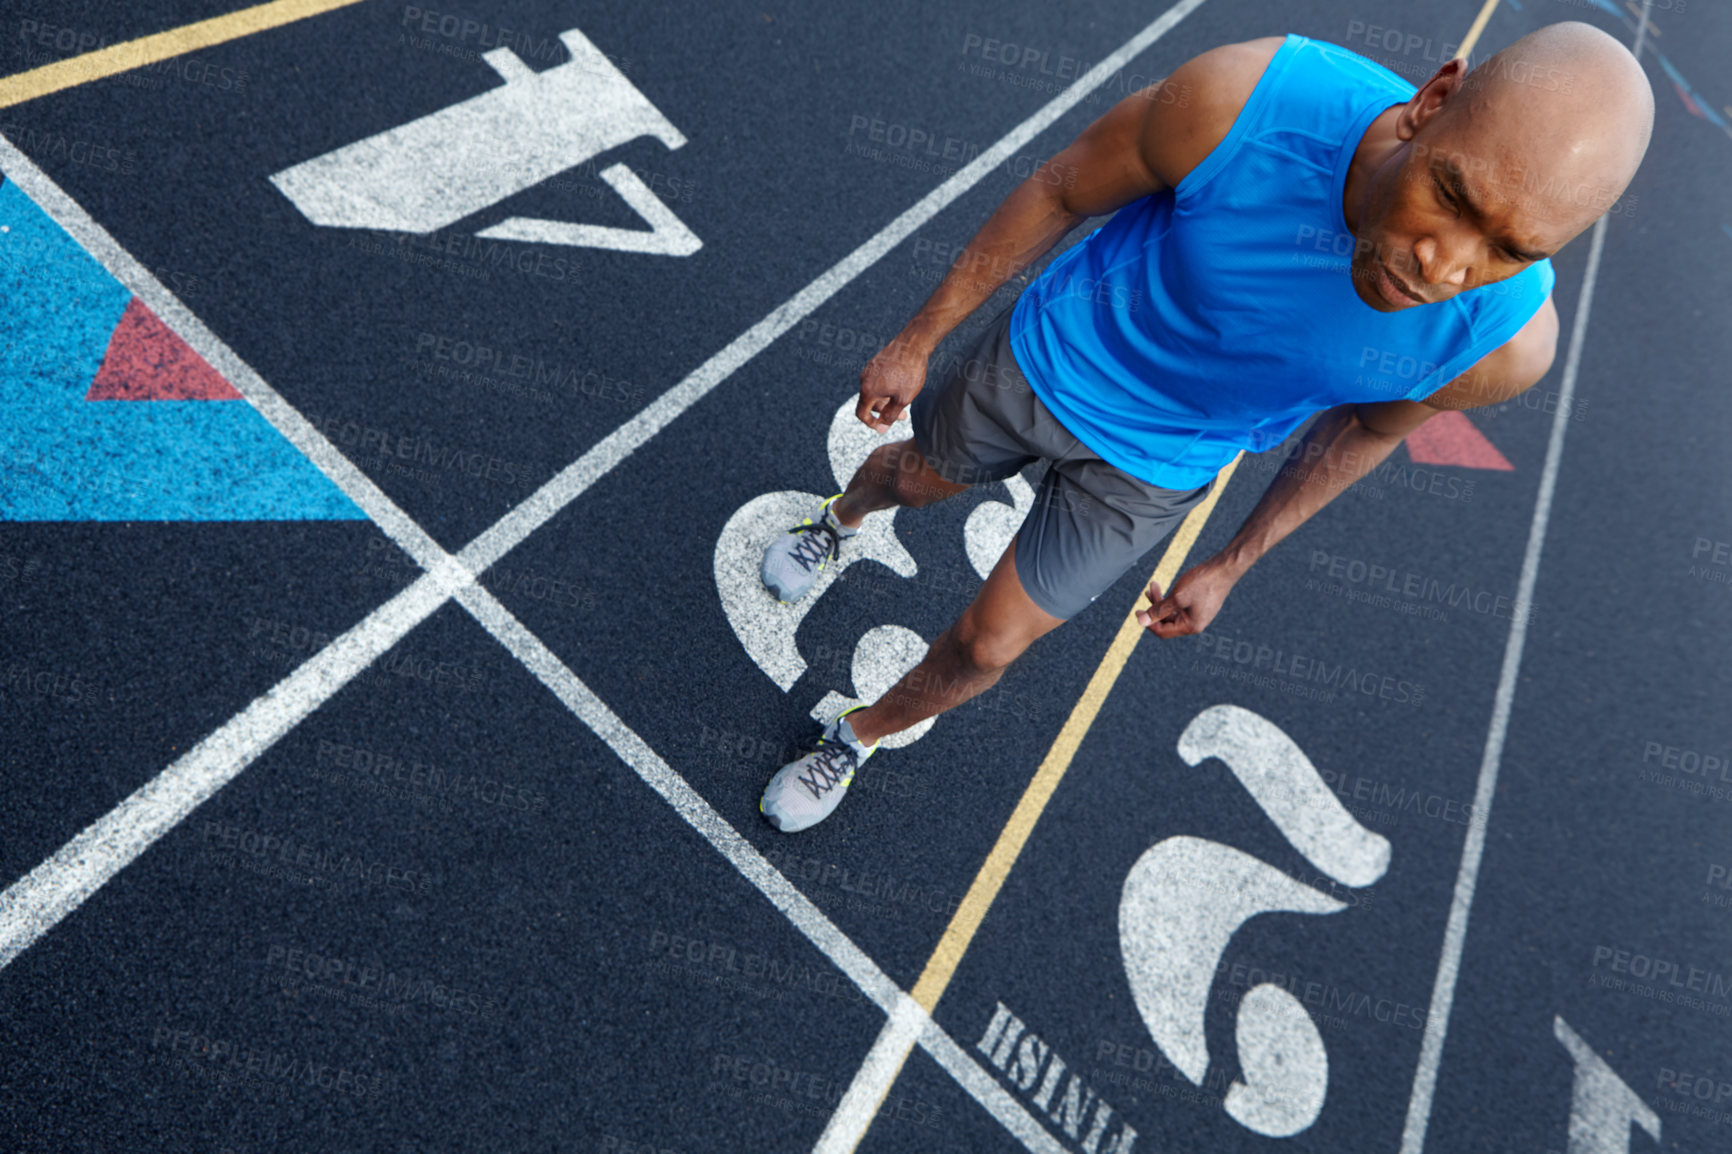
(1091, 521)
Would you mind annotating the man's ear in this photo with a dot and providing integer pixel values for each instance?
(1444, 85)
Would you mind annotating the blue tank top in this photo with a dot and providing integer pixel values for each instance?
(1218, 315)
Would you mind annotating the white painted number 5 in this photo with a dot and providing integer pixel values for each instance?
(1186, 896)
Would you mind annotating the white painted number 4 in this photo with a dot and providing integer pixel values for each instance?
(434, 171)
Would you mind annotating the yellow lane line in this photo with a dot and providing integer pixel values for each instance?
(941, 966)
(967, 918)
(1478, 26)
(117, 58)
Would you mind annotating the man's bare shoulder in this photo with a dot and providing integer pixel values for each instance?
(1198, 104)
(1508, 370)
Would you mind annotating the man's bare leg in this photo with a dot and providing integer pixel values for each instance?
(895, 474)
(967, 658)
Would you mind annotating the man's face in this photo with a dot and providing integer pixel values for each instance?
(1451, 211)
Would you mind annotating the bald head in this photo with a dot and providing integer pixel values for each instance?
(1484, 173)
(1562, 118)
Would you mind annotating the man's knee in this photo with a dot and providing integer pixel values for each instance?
(985, 648)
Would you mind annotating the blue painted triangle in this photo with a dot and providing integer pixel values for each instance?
(63, 458)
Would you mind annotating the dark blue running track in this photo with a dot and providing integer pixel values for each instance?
(499, 882)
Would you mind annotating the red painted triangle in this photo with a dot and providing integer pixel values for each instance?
(1690, 105)
(145, 361)
(1450, 439)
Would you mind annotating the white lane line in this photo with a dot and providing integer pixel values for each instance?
(987, 1090)
(35, 903)
(906, 1021)
(1455, 934)
(571, 481)
(635, 752)
(355, 484)
(1467, 880)
(854, 1113)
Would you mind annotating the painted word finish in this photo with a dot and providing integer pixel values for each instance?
(434, 171)
(1067, 1101)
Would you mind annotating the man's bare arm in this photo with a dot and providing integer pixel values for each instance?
(1146, 142)
(1343, 445)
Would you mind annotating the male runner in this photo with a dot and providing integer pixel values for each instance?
(1285, 207)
